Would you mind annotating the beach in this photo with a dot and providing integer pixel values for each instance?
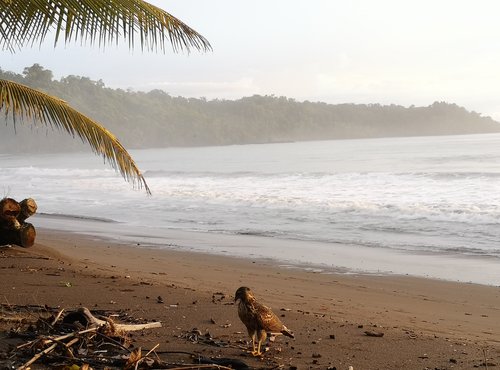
(423, 206)
(427, 323)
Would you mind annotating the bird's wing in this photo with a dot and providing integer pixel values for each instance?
(267, 319)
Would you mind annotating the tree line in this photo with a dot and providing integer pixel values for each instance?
(157, 119)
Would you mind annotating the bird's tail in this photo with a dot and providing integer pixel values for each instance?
(287, 332)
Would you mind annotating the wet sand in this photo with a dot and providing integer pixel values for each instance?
(426, 323)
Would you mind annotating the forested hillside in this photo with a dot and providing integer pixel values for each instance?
(157, 119)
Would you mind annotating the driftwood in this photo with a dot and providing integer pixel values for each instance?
(371, 333)
(66, 346)
(24, 236)
(84, 317)
(28, 209)
(101, 344)
(13, 226)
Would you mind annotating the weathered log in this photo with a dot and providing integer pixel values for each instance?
(9, 210)
(28, 209)
(13, 228)
(27, 235)
(372, 333)
(85, 318)
(9, 207)
(24, 236)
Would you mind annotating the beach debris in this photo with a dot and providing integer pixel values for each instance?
(411, 334)
(371, 333)
(13, 226)
(486, 364)
(84, 316)
(195, 336)
(224, 361)
(75, 340)
(218, 297)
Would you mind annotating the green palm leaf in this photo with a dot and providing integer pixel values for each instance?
(25, 103)
(25, 23)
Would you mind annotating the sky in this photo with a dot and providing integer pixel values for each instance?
(356, 51)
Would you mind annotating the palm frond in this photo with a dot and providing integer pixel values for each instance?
(26, 23)
(24, 103)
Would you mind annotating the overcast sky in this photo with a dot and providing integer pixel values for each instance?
(401, 52)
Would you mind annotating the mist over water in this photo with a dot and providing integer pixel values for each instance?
(421, 195)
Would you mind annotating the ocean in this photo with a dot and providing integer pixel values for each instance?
(422, 206)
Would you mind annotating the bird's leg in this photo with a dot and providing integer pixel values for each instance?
(261, 336)
(259, 353)
(254, 352)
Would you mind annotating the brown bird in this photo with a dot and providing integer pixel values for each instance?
(258, 319)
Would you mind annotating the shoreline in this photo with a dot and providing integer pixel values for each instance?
(427, 323)
(422, 296)
(327, 257)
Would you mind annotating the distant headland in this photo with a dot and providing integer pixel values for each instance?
(157, 119)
